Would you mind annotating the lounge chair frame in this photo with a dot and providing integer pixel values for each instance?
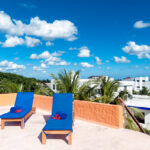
(33, 111)
(69, 132)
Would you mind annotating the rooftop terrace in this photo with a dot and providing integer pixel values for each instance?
(86, 135)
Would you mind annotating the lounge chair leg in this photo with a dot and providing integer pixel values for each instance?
(22, 123)
(43, 138)
(2, 124)
(70, 138)
(34, 110)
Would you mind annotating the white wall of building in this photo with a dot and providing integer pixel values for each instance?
(129, 84)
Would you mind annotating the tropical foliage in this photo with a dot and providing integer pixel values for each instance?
(12, 83)
(108, 89)
(144, 91)
(69, 83)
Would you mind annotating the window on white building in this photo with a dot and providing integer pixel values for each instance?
(54, 87)
(138, 87)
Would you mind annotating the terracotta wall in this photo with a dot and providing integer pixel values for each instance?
(7, 99)
(105, 114)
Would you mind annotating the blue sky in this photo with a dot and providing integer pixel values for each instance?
(107, 37)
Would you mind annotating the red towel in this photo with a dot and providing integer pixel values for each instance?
(56, 117)
(18, 111)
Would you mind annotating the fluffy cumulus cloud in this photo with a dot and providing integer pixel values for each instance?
(11, 65)
(31, 42)
(140, 24)
(12, 41)
(43, 65)
(86, 65)
(48, 43)
(84, 52)
(50, 59)
(98, 60)
(141, 51)
(122, 59)
(63, 29)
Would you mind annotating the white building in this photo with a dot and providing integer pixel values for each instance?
(128, 83)
(142, 102)
(135, 84)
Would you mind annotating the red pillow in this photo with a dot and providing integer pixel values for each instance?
(18, 111)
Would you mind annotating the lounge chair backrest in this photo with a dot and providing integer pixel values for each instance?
(24, 100)
(62, 102)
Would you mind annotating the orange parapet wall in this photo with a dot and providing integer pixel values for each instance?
(105, 114)
(43, 102)
(7, 99)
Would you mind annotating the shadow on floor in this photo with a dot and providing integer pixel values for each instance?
(12, 124)
(54, 136)
(46, 117)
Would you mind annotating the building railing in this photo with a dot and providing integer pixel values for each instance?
(132, 116)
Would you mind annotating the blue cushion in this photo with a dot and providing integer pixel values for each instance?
(62, 102)
(10, 115)
(23, 100)
(54, 124)
(13, 109)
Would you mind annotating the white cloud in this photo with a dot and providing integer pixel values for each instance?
(62, 29)
(86, 65)
(12, 41)
(16, 58)
(108, 68)
(75, 64)
(31, 42)
(11, 65)
(122, 59)
(146, 67)
(25, 5)
(98, 60)
(62, 63)
(50, 59)
(84, 52)
(43, 55)
(35, 68)
(72, 48)
(140, 24)
(49, 43)
(141, 51)
(59, 53)
(43, 65)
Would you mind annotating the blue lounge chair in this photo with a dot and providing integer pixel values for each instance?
(61, 103)
(24, 100)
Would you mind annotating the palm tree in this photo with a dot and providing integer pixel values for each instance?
(87, 91)
(108, 89)
(67, 82)
(43, 90)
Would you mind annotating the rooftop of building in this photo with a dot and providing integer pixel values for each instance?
(86, 136)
